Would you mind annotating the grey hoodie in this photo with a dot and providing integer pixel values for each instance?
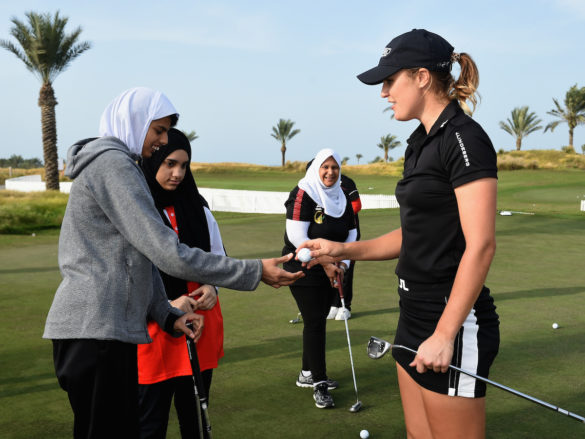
(110, 238)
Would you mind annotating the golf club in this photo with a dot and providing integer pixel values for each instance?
(200, 396)
(377, 348)
(358, 404)
(297, 319)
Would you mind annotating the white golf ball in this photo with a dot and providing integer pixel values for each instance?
(555, 325)
(304, 255)
(364, 434)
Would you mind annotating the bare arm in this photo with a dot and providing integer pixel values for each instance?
(378, 249)
(477, 211)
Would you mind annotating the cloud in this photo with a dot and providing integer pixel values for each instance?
(576, 7)
(206, 26)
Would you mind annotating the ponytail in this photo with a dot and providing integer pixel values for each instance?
(465, 87)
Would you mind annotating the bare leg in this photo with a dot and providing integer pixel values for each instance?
(433, 415)
(415, 416)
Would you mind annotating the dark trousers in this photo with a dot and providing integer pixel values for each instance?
(347, 285)
(155, 404)
(314, 303)
(101, 380)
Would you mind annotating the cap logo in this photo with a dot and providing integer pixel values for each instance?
(386, 51)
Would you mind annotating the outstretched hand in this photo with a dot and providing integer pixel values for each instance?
(322, 251)
(196, 320)
(275, 276)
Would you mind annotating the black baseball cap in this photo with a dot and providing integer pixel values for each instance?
(417, 48)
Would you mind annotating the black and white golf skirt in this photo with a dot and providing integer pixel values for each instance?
(476, 344)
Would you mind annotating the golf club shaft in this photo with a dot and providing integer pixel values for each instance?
(506, 388)
(204, 425)
(340, 289)
(197, 399)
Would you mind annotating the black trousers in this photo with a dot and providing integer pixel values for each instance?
(347, 285)
(155, 404)
(101, 380)
(314, 303)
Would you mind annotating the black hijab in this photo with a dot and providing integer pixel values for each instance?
(188, 204)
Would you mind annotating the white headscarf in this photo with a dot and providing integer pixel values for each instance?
(331, 199)
(128, 116)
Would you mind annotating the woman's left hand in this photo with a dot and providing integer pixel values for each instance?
(208, 297)
(435, 353)
(333, 271)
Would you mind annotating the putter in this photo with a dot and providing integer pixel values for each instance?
(198, 387)
(377, 348)
(297, 320)
(358, 404)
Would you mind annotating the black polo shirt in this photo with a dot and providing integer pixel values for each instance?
(301, 207)
(456, 151)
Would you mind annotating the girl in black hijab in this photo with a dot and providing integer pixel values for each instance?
(164, 370)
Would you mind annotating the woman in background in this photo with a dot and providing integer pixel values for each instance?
(317, 207)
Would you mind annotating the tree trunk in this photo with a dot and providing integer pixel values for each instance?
(385, 155)
(283, 151)
(571, 137)
(47, 103)
(518, 143)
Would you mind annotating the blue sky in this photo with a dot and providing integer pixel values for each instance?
(233, 68)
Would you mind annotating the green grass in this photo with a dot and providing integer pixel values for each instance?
(540, 191)
(536, 278)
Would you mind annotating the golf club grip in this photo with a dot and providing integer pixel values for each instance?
(507, 389)
(339, 286)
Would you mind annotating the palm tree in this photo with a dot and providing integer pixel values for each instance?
(344, 160)
(573, 113)
(358, 157)
(46, 50)
(283, 132)
(387, 143)
(191, 135)
(521, 124)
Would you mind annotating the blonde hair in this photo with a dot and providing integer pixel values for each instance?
(464, 88)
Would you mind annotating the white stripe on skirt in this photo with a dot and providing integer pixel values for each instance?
(469, 357)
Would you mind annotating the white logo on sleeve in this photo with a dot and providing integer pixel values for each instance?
(403, 285)
(463, 150)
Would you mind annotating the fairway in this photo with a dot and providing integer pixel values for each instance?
(537, 279)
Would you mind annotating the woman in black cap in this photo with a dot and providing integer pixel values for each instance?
(446, 241)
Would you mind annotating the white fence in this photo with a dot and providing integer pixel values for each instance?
(583, 205)
(227, 200)
(32, 183)
(223, 200)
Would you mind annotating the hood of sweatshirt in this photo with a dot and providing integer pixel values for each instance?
(83, 152)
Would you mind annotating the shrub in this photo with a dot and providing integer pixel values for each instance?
(568, 149)
(22, 212)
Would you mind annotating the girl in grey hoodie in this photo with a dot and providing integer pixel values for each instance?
(111, 236)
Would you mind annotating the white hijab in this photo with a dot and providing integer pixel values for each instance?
(128, 116)
(331, 199)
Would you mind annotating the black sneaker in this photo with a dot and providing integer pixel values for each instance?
(322, 397)
(303, 381)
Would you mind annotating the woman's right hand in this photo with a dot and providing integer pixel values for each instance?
(323, 252)
(185, 304)
(195, 322)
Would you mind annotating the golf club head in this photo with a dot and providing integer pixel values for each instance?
(297, 320)
(377, 348)
(356, 407)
